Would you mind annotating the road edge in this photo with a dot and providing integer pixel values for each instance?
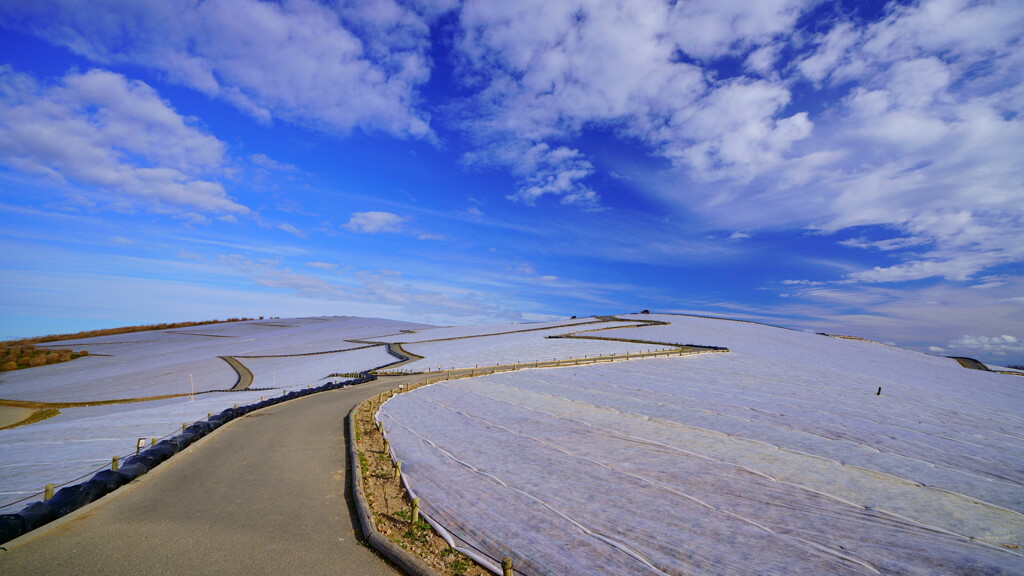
(394, 553)
(32, 535)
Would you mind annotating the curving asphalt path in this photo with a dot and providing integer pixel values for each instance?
(267, 494)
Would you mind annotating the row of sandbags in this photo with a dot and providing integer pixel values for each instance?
(71, 498)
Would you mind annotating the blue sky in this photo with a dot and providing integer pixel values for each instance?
(847, 167)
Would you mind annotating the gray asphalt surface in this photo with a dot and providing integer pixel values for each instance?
(268, 494)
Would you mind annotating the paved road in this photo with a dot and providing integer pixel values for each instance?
(268, 494)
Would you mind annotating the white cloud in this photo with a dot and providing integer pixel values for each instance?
(912, 271)
(884, 245)
(551, 69)
(375, 222)
(559, 172)
(381, 287)
(924, 143)
(920, 316)
(762, 60)
(292, 230)
(831, 51)
(322, 265)
(526, 268)
(713, 28)
(102, 130)
(264, 161)
(913, 122)
(335, 67)
(736, 130)
(989, 345)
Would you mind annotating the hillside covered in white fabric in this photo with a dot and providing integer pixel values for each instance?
(794, 453)
(282, 354)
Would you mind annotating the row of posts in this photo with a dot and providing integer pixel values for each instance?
(414, 513)
(556, 361)
(506, 562)
(115, 462)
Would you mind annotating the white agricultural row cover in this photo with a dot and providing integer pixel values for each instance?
(156, 363)
(776, 458)
(524, 347)
(300, 371)
(80, 440)
(442, 332)
(259, 337)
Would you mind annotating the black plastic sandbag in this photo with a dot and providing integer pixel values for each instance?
(133, 471)
(11, 526)
(111, 480)
(199, 429)
(181, 441)
(170, 447)
(71, 498)
(159, 453)
(36, 514)
(148, 461)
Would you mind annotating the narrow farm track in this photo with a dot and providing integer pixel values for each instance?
(244, 374)
(268, 494)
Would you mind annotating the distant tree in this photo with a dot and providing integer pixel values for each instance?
(1016, 366)
(24, 360)
(83, 353)
(8, 366)
(37, 360)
